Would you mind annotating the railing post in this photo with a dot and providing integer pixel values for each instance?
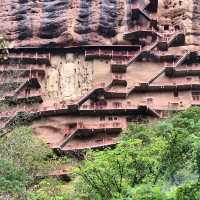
(30, 74)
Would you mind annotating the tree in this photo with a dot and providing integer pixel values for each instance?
(25, 150)
(23, 157)
(149, 192)
(149, 159)
(13, 180)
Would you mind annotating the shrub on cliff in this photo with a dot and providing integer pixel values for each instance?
(22, 158)
(25, 150)
(13, 180)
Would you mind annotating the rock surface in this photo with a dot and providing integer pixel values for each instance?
(184, 13)
(61, 23)
(86, 88)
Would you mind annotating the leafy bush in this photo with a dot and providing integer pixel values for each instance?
(49, 189)
(151, 162)
(189, 192)
(13, 180)
(22, 158)
(25, 150)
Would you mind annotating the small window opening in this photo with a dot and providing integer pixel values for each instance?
(176, 93)
(110, 118)
(102, 118)
(166, 27)
(196, 95)
(177, 27)
(117, 104)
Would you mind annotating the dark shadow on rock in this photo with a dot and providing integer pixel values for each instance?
(107, 22)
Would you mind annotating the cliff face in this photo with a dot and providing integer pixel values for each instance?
(184, 13)
(196, 22)
(65, 22)
(61, 22)
(92, 92)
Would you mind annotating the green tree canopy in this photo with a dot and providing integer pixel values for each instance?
(152, 161)
(13, 180)
(22, 158)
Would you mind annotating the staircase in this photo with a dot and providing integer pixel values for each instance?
(182, 59)
(157, 75)
(174, 37)
(141, 51)
(64, 142)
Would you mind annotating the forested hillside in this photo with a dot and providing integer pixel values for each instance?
(159, 161)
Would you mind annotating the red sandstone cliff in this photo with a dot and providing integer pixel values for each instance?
(66, 22)
(88, 94)
(61, 22)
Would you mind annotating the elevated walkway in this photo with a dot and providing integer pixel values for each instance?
(138, 32)
(22, 71)
(23, 58)
(89, 130)
(107, 54)
(176, 38)
(159, 87)
(170, 71)
(182, 71)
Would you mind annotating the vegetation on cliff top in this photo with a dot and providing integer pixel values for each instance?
(152, 162)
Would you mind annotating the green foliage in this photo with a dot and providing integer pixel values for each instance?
(189, 192)
(148, 192)
(50, 189)
(22, 158)
(25, 150)
(13, 179)
(151, 162)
